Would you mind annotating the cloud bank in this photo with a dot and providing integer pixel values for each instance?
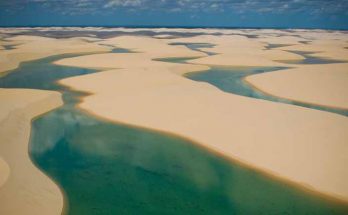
(176, 6)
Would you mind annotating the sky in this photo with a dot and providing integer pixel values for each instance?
(331, 14)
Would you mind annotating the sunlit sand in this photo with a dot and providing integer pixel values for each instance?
(300, 145)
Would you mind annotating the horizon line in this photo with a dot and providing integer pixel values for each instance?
(173, 26)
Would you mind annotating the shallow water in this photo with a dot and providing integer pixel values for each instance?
(9, 47)
(109, 168)
(309, 59)
(121, 50)
(273, 46)
(232, 80)
(196, 46)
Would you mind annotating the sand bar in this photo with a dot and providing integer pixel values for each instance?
(324, 85)
(24, 189)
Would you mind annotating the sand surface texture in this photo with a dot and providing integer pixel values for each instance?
(299, 144)
(33, 47)
(324, 85)
(24, 189)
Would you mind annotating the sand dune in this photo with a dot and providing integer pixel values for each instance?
(303, 145)
(298, 144)
(23, 188)
(239, 51)
(316, 84)
(146, 44)
(34, 47)
(332, 49)
(124, 60)
(270, 136)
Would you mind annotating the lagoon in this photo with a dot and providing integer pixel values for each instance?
(107, 168)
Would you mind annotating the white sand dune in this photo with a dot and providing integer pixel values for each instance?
(299, 144)
(331, 49)
(324, 85)
(274, 137)
(239, 51)
(302, 145)
(34, 47)
(124, 60)
(146, 44)
(23, 188)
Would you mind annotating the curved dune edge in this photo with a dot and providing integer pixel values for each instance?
(4, 171)
(27, 190)
(237, 50)
(302, 145)
(323, 48)
(323, 85)
(205, 116)
(35, 47)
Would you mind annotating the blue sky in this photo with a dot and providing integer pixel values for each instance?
(218, 13)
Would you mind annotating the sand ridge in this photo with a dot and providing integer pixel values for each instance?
(299, 144)
(324, 85)
(236, 50)
(27, 190)
(34, 47)
(274, 137)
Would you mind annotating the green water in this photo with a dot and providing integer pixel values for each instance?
(108, 168)
(121, 50)
(9, 47)
(232, 80)
(196, 46)
(309, 59)
(273, 46)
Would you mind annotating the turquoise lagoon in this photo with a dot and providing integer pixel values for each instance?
(232, 79)
(110, 168)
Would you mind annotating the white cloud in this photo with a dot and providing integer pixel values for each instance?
(124, 3)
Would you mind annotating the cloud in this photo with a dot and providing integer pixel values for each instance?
(123, 3)
(178, 6)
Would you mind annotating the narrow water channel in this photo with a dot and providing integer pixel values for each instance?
(109, 168)
(232, 79)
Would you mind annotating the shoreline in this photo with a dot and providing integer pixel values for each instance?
(27, 50)
(267, 84)
(221, 154)
(63, 194)
(39, 188)
(269, 174)
(300, 101)
(167, 87)
(163, 79)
